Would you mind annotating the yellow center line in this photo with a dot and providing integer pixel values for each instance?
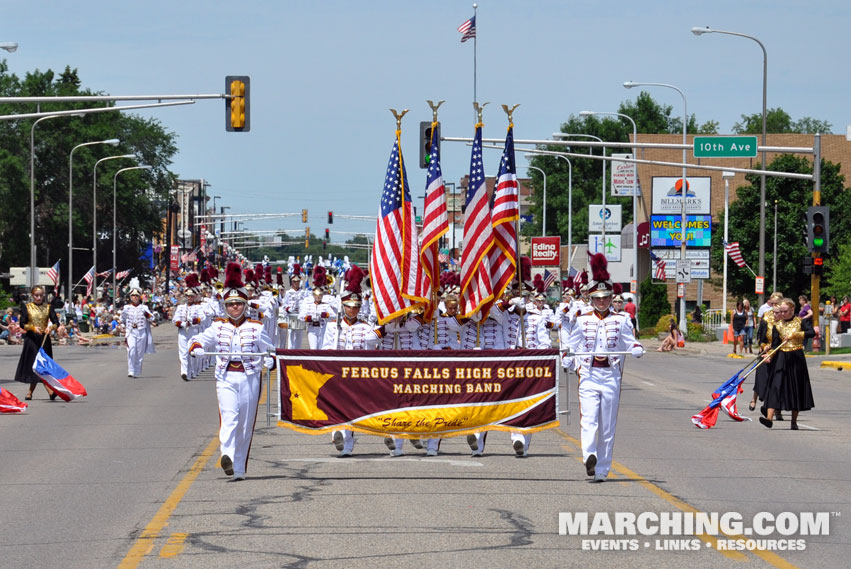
(145, 542)
(767, 556)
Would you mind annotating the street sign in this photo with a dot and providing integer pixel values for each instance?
(759, 285)
(725, 147)
(683, 271)
(611, 248)
(624, 176)
(613, 218)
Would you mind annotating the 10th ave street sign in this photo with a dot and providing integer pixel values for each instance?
(725, 147)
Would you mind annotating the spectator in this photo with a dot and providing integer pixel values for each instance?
(674, 339)
(806, 313)
(697, 315)
(844, 315)
(739, 319)
(631, 309)
(750, 322)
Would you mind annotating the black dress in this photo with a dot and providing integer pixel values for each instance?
(34, 315)
(760, 383)
(788, 387)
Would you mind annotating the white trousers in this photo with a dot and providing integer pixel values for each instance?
(314, 336)
(238, 395)
(294, 339)
(183, 351)
(525, 439)
(137, 341)
(599, 396)
(348, 440)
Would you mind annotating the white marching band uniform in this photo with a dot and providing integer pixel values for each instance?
(136, 321)
(316, 318)
(187, 317)
(295, 327)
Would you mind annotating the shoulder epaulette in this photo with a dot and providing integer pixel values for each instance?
(254, 321)
(220, 319)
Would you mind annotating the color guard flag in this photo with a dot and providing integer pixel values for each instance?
(468, 29)
(505, 211)
(56, 378)
(397, 279)
(476, 285)
(435, 223)
(11, 404)
(725, 398)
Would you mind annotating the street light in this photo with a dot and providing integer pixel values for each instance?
(111, 141)
(32, 277)
(544, 216)
(683, 224)
(727, 177)
(115, 223)
(707, 30)
(95, 217)
(634, 197)
(9, 46)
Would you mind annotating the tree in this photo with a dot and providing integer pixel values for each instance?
(838, 269)
(778, 121)
(793, 197)
(141, 197)
(654, 303)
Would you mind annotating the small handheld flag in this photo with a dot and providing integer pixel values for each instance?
(11, 404)
(56, 378)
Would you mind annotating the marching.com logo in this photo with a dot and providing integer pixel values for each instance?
(685, 531)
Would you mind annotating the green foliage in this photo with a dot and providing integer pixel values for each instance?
(838, 270)
(297, 249)
(140, 198)
(663, 323)
(778, 121)
(792, 198)
(654, 303)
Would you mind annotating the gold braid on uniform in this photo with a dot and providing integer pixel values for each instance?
(38, 315)
(790, 330)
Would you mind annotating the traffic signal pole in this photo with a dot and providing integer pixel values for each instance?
(815, 279)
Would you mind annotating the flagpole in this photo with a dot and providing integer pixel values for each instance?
(475, 8)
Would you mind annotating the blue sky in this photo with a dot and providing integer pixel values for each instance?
(324, 73)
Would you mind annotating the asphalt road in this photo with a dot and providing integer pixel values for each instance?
(128, 477)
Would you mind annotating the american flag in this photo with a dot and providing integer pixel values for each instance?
(89, 277)
(549, 279)
(123, 274)
(106, 273)
(659, 266)
(442, 258)
(735, 254)
(53, 274)
(397, 279)
(435, 223)
(505, 210)
(476, 287)
(468, 29)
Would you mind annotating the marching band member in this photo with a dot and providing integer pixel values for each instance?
(402, 333)
(349, 333)
(315, 313)
(187, 318)
(136, 321)
(600, 331)
(291, 304)
(237, 376)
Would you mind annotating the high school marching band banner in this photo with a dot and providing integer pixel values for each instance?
(413, 394)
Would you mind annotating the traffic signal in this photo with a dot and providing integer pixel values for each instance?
(818, 229)
(324, 245)
(330, 217)
(807, 265)
(425, 143)
(237, 103)
(327, 235)
(818, 266)
(306, 237)
(304, 216)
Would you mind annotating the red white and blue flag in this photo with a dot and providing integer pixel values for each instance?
(435, 224)
(11, 404)
(659, 267)
(53, 274)
(476, 284)
(106, 273)
(56, 378)
(505, 211)
(549, 279)
(123, 274)
(468, 29)
(397, 279)
(735, 253)
(725, 398)
(89, 277)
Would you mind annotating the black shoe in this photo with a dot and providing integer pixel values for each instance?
(338, 441)
(473, 442)
(766, 423)
(752, 405)
(418, 444)
(778, 416)
(794, 426)
(227, 465)
(183, 377)
(53, 396)
(590, 464)
(519, 449)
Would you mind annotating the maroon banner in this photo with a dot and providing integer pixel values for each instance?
(418, 393)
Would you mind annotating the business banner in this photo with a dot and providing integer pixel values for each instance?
(418, 393)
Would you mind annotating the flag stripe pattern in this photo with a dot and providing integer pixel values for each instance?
(59, 380)
(89, 278)
(53, 273)
(504, 212)
(476, 285)
(396, 274)
(468, 29)
(735, 253)
(123, 274)
(549, 279)
(435, 223)
(11, 404)
(659, 266)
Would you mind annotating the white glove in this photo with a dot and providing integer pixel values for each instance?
(269, 363)
(197, 352)
(637, 351)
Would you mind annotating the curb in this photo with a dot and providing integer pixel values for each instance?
(839, 366)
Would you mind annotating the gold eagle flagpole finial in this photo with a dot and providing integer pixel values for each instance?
(398, 116)
(434, 108)
(510, 113)
(479, 108)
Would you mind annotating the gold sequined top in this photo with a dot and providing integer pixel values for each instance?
(38, 316)
(768, 317)
(792, 332)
